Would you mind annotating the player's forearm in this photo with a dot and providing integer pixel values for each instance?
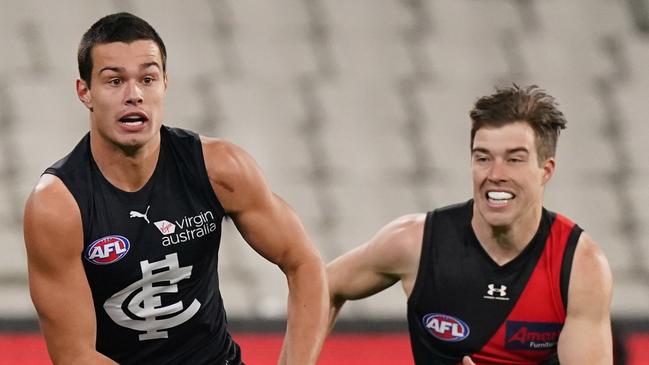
(596, 357)
(307, 313)
(87, 356)
(586, 352)
(70, 340)
(94, 358)
(597, 348)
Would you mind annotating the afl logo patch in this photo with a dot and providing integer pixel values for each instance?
(445, 327)
(107, 250)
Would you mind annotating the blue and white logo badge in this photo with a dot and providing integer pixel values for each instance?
(446, 328)
(107, 250)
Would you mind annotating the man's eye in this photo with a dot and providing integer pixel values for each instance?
(115, 82)
(147, 79)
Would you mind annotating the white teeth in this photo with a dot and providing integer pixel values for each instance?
(132, 122)
(132, 119)
(499, 195)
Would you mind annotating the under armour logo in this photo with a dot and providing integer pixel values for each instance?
(135, 214)
(492, 291)
(138, 306)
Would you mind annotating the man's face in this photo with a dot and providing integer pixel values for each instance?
(127, 92)
(507, 179)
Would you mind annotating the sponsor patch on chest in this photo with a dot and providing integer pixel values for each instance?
(107, 250)
(532, 335)
(187, 228)
(446, 328)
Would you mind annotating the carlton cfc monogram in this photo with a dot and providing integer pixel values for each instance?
(145, 305)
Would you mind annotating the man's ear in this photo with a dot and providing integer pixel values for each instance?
(83, 92)
(548, 169)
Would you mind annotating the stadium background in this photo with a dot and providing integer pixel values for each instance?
(356, 110)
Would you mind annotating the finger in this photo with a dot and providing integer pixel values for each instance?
(467, 361)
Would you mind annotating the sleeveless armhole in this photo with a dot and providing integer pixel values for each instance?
(80, 201)
(198, 162)
(566, 263)
(424, 259)
(64, 168)
(207, 185)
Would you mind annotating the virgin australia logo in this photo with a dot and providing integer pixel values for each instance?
(187, 228)
(139, 305)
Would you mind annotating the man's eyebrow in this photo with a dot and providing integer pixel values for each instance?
(111, 68)
(509, 151)
(479, 150)
(149, 64)
(518, 149)
(122, 69)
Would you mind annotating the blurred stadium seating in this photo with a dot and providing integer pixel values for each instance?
(357, 112)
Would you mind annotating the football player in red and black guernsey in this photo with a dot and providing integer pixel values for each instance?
(497, 279)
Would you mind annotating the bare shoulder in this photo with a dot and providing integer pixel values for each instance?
(402, 232)
(589, 308)
(391, 255)
(591, 281)
(590, 260)
(50, 198)
(398, 244)
(52, 215)
(234, 174)
(224, 159)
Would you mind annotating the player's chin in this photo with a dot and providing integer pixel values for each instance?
(498, 221)
(496, 217)
(137, 137)
(132, 142)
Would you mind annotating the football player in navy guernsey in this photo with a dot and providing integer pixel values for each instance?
(497, 279)
(123, 234)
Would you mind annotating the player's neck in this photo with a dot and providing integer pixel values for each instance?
(126, 168)
(505, 243)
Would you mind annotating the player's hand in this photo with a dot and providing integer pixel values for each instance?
(467, 361)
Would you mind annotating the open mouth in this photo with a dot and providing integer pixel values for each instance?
(499, 197)
(134, 119)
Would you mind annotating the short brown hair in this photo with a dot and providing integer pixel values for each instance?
(118, 27)
(531, 105)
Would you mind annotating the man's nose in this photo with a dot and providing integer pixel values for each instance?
(498, 171)
(133, 94)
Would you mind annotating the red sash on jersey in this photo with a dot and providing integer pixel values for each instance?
(531, 331)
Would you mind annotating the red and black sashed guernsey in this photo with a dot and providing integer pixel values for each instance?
(463, 303)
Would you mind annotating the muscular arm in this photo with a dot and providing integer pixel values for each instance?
(57, 281)
(273, 229)
(391, 255)
(586, 335)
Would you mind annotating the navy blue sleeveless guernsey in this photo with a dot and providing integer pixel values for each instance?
(463, 303)
(151, 257)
